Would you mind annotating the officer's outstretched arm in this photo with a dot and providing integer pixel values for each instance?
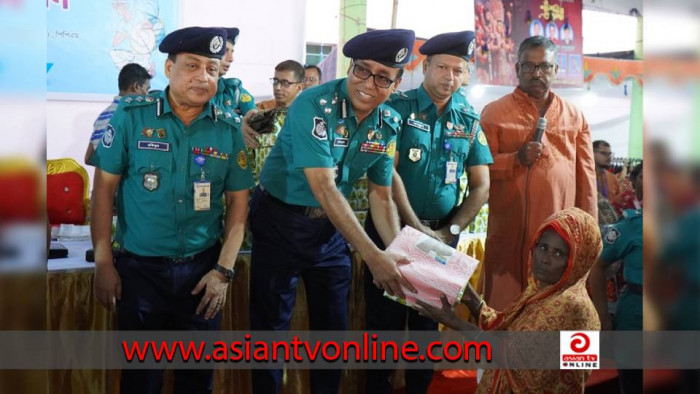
(403, 206)
(383, 265)
(384, 212)
(107, 284)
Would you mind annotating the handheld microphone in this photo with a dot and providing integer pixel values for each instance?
(541, 125)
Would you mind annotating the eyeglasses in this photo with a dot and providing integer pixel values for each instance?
(310, 79)
(363, 73)
(282, 82)
(528, 67)
(606, 154)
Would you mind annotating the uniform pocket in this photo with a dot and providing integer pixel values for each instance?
(155, 169)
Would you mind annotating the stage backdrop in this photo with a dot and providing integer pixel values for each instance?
(501, 25)
(88, 42)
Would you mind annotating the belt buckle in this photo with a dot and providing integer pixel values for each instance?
(315, 212)
(178, 260)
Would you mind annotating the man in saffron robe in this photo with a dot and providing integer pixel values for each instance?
(531, 180)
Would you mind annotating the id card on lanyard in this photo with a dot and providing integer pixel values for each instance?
(202, 188)
(450, 166)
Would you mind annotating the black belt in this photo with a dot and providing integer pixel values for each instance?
(310, 212)
(170, 259)
(635, 288)
(436, 224)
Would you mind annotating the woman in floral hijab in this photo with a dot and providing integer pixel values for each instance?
(565, 248)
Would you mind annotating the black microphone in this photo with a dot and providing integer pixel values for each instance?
(541, 125)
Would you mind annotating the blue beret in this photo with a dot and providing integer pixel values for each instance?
(204, 41)
(231, 34)
(390, 47)
(460, 44)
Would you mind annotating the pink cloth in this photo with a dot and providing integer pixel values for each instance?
(435, 268)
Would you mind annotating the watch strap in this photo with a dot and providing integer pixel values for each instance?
(228, 273)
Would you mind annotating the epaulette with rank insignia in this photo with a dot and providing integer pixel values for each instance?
(226, 115)
(391, 118)
(327, 102)
(139, 100)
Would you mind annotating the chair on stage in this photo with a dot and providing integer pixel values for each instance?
(67, 192)
(20, 182)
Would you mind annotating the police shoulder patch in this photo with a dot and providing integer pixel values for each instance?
(319, 129)
(612, 235)
(242, 160)
(391, 149)
(482, 138)
(108, 136)
(246, 98)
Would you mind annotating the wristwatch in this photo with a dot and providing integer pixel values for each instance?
(455, 229)
(225, 272)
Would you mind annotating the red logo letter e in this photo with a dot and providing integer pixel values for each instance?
(580, 342)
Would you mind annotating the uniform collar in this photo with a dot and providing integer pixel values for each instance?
(116, 99)
(163, 106)
(424, 100)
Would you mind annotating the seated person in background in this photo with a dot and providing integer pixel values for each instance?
(566, 246)
(286, 85)
(629, 199)
(133, 79)
(312, 76)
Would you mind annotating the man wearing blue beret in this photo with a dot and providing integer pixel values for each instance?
(440, 139)
(174, 157)
(300, 218)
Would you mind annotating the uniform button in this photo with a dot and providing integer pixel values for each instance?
(179, 201)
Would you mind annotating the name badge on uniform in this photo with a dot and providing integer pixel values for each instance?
(417, 124)
(202, 194)
(341, 142)
(450, 172)
(154, 145)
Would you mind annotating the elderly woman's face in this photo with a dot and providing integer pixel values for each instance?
(550, 257)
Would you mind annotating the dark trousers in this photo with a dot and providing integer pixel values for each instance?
(156, 296)
(383, 314)
(287, 246)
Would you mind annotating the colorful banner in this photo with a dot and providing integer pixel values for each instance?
(616, 70)
(88, 42)
(502, 25)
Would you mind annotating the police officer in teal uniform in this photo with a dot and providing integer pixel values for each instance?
(230, 94)
(440, 138)
(174, 157)
(300, 218)
(623, 241)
